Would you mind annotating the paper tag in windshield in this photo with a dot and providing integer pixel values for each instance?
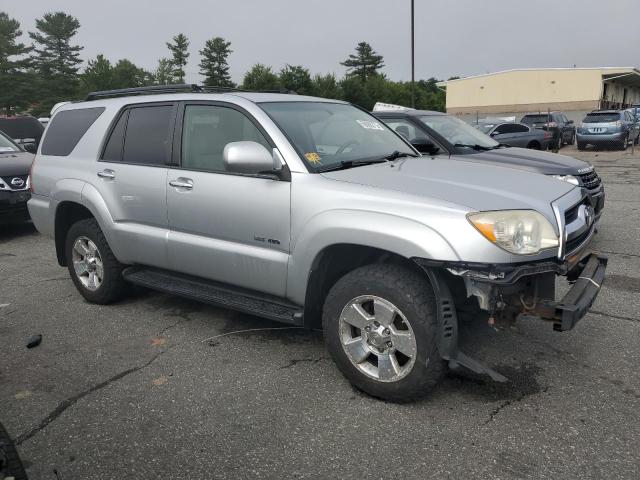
(313, 157)
(369, 125)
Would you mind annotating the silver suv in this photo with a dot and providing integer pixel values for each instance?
(313, 213)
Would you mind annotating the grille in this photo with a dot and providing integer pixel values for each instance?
(590, 180)
(574, 243)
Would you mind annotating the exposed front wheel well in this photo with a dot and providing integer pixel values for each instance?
(67, 214)
(333, 263)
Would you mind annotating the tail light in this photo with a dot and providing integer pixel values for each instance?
(547, 135)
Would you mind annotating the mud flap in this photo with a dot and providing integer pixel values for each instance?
(448, 331)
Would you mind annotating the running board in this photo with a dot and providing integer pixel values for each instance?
(215, 293)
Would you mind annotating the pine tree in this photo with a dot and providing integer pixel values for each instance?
(98, 75)
(179, 53)
(365, 63)
(163, 74)
(14, 79)
(55, 59)
(214, 66)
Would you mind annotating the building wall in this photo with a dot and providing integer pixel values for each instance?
(526, 90)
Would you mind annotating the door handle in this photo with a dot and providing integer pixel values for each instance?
(107, 174)
(181, 182)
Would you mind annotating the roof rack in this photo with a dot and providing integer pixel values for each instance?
(177, 88)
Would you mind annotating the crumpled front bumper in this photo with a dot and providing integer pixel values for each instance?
(587, 281)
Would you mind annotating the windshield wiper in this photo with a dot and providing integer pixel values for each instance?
(500, 145)
(398, 154)
(481, 148)
(344, 164)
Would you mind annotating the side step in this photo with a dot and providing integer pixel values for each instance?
(215, 293)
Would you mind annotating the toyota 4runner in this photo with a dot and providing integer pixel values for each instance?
(314, 213)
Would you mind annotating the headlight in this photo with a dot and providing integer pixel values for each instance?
(567, 178)
(522, 232)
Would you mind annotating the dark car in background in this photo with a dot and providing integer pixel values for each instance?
(15, 163)
(562, 129)
(516, 134)
(436, 133)
(25, 130)
(608, 128)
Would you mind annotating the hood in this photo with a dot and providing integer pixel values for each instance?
(15, 163)
(474, 185)
(531, 160)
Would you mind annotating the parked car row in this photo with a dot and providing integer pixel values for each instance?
(316, 213)
(615, 128)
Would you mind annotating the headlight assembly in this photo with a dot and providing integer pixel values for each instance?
(567, 178)
(523, 232)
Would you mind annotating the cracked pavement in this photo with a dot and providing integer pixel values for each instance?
(133, 390)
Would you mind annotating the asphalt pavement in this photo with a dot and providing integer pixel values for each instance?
(161, 387)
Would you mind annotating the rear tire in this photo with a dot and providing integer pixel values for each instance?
(533, 145)
(403, 304)
(573, 139)
(93, 267)
(625, 143)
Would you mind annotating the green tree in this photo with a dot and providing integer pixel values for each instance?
(365, 63)
(297, 79)
(179, 54)
(98, 75)
(55, 59)
(214, 66)
(163, 74)
(326, 86)
(14, 78)
(127, 75)
(260, 77)
(354, 90)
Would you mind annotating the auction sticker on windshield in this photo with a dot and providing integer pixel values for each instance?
(369, 125)
(313, 157)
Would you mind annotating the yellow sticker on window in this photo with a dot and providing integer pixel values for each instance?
(313, 157)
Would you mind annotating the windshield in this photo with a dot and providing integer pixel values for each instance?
(531, 119)
(460, 134)
(326, 134)
(7, 145)
(601, 117)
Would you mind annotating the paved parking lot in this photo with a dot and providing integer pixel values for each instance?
(135, 390)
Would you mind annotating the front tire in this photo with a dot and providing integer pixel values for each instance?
(93, 267)
(533, 145)
(581, 146)
(380, 327)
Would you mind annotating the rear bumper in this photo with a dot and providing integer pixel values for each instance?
(597, 138)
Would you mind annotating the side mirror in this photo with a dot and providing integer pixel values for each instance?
(569, 122)
(249, 157)
(494, 133)
(30, 147)
(424, 145)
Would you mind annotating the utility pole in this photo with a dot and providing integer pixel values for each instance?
(413, 60)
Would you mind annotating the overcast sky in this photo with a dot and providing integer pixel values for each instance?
(453, 37)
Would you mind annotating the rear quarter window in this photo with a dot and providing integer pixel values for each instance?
(67, 128)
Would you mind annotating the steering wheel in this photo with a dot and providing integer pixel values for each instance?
(345, 145)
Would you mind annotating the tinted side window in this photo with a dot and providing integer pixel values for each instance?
(67, 128)
(113, 149)
(520, 128)
(506, 128)
(148, 137)
(208, 129)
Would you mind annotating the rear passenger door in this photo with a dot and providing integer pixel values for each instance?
(224, 226)
(510, 134)
(132, 178)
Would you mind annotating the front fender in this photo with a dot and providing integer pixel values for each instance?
(399, 235)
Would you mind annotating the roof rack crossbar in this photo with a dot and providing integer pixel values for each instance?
(177, 88)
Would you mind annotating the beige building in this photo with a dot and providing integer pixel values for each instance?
(520, 91)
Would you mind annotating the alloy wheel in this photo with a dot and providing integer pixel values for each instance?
(87, 263)
(377, 338)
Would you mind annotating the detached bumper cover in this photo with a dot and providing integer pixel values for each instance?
(566, 313)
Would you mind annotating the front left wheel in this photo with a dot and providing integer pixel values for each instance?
(93, 267)
(380, 327)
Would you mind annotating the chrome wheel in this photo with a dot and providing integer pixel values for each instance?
(377, 338)
(87, 263)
